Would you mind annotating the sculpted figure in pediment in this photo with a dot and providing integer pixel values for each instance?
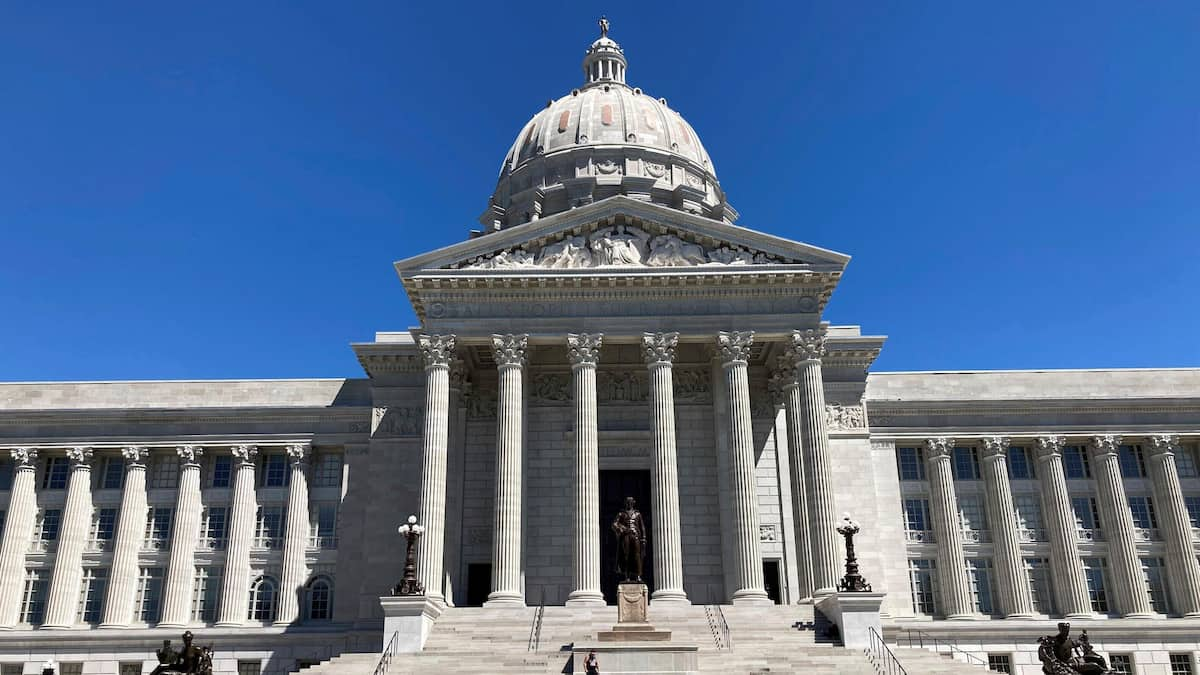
(620, 245)
(667, 250)
(570, 253)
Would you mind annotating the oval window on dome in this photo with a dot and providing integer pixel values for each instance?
(683, 131)
(563, 120)
(650, 118)
(606, 115)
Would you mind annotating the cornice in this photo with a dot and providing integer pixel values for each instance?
(184, 416)
(386, 358)
(892, 408)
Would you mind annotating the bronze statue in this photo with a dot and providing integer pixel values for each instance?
(630, 530)
(1060, 655)
(191, 660)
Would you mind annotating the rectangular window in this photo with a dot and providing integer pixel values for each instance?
(966, 464)
(104, 524)
(91, 594)
(980, 572)
(323, 528)
(131, 668)
(973, 519)
(1142, 509)
(1000, 663)
(3, 517)
(1181, 664)
(33, 602)
(113, 476)
(1020, 465)
(328, 470)
(1154, 571)
(917, 527)
(70, 669)
(222, 470)
(1185, 462)
(158, 529)
(6, 474)
(206, 594)
(1193, 509)
(911, 463)
(1087, 518)
(57, 471)
(1029, 518)
(1038, 570)
(249, 668)
(215, 523)
(1075, 462)
(921, 582)
(1095, 571)
(149, 593)
(15, 669)
(269, 529)
(165, 475)
(48, 524)
(274, 470)
(1121, 664)
(1133, 464)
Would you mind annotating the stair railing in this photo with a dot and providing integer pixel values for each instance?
(535, 630)
(924, 639)
(881, 655)
(718, 626)
(385, 659)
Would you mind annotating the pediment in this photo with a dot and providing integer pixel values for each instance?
(624, 235)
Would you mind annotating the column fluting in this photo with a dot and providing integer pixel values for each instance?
(734, 350)
(131, 531)
(295, 540)
(806, 350)
(791, 390)
(507, 535)
(1066, 566)
(957, 602)
(437, 352)
(1176, 526)
(18, 529)
(658, 349)
(1016, 600)
(235, 585)
(583, 351)
(1132, 596)
(63, 602)
(185, 534)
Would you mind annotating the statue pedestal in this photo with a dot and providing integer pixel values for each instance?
(854, 614)
(633, 625)
(410, 618)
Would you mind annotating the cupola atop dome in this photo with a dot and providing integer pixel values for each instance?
(601, 140)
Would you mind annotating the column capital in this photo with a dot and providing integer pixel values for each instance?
(941, 447)
(245, 454)
(734, 346)
(436, 350)
(1163, 444)
(583, 349)
(1049, 447)
(994, 447)
(807, 345)
(80, 456)
(1104, 444)
(135, 456)
(189, 454)
(299, 452)
(659, 347)
(510, 350)
(24, 457)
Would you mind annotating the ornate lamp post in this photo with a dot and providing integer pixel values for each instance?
(853, 582)
(411, 531)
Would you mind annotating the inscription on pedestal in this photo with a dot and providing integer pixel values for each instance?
(632, 600)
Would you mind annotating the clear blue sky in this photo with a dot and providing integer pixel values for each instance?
(217, 190)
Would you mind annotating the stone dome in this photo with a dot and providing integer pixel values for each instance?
(603, 139)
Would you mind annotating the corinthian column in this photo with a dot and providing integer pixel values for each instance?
(793, 403)
(18, 528)
(952, 565)
(438, 352)
(63, 604)
(1133, 598)
(1066, 567)
(1016, 602)
(583, 351)
(807, 349)
(295, 541)
(507, 591)
(1176, 526)
(734, 350)
(659, 352)
(181, 566)
(131, 530)
(235, 586)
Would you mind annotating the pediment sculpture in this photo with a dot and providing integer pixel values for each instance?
(620, 246)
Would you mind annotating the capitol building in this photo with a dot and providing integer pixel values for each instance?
(610, 330)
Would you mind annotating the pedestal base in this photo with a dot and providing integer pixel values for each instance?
(409, 618)
(854, 614)
(616, 658)
(633, 632)
(633, 602)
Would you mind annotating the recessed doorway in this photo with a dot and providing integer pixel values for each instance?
(615, 486)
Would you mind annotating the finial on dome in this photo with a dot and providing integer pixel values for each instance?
(604, 62)
(603, 26)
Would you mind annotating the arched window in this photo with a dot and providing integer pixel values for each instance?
(320, 599)
(263, 599)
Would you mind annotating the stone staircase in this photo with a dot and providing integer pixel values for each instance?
(770, 639)
(917, 660)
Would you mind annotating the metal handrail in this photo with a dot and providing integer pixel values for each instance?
(385, 659)
(923, 637)
(725, 628)
(718, 627)
(881, 655)
(535, 630)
